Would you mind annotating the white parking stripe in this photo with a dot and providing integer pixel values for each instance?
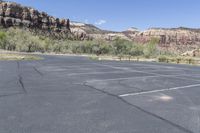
(148, 92)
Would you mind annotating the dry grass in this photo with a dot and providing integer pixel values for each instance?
(164, 58)
(12, 56)
(179, 60)
(121, 58)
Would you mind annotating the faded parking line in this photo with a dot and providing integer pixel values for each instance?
(154, 91)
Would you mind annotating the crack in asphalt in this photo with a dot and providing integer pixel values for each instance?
(20, 79)
(22, 84)
(139, 108)
(40, 73)
(7, 95)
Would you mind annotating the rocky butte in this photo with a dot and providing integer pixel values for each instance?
(174, 39)
(15, 15)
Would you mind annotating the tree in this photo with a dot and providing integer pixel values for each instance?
(151, 48)
(2, 40)
(136, 50)
(119, 46)
(96, 49)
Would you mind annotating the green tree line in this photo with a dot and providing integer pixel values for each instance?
(15, 39)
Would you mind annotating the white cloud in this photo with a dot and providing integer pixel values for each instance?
(100, 22)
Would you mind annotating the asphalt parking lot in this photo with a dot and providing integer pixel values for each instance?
(68, 94)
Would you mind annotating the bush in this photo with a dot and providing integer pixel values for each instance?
(190, 60)
(2, 40)
(162, 59)
(151, 48)
(120, 46)
(106, 48)
(25, 41)
(136, 50)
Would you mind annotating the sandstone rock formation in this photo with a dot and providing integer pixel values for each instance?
(79, 31)
(193, 53)
(89, 32)
(175, 39)
(13, 14)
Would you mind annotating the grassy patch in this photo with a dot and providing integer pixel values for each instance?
(161, 58)
(93, 57)
(121, 58)
(6, 56)
(178, 60)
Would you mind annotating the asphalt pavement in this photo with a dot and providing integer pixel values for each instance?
(71, 94)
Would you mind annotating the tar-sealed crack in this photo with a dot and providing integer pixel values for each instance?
(7, 95)
(40, 73)
(22, 84)
(20, 79)
(141, 109)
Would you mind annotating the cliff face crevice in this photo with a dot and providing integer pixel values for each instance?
(13, 14)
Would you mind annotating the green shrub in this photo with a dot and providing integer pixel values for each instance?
(162, 58)
(120, 46)
(136, 50)
(178, 60)
(94, 58)
(150, 48)
(2, 40)
(26, 41)
(190, 60)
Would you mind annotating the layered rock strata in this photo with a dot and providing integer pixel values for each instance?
(13, 14)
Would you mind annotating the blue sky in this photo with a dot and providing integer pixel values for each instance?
(119, 15)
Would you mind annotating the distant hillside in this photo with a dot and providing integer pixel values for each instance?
(172, 39)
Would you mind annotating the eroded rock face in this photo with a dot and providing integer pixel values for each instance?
(177, 39)
(13, 14)
(90, 32)
(82, 31)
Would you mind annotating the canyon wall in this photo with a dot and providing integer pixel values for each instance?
(174, 39)
(13, 14)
